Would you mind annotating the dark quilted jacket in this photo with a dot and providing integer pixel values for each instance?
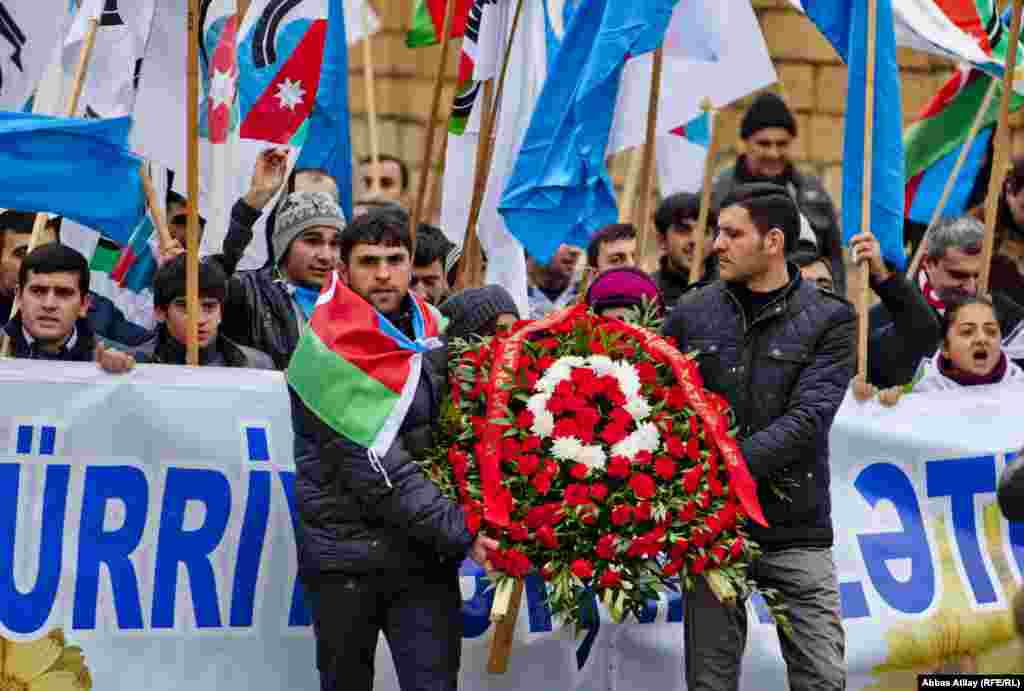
(259, 313)
(785, 376)
(350, 520)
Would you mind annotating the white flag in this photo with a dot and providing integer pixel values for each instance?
(713, 49)
(30, 30)
(121, 35)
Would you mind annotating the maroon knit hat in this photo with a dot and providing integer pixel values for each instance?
(625, 287)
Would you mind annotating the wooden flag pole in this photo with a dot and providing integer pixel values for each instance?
(428, 153)
(979, 118)
(647, 166)
(192, 229)
(628, 199)
(39, 225)
(156, 209)
(1001, 150)
(471, 272)
(371, 103)
(504, 612)
(697, 265)
(863, 296)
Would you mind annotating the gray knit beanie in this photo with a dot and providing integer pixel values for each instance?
(472, 310)
(300, 212)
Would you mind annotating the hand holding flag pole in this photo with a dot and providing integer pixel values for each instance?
(76, 91)
(947, 190)
(862, 390)
(1000, 149)
(697, 263)
(428, 153)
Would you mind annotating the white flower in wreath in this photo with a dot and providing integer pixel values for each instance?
(644, 438)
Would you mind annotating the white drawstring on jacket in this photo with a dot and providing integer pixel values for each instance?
(378, 466)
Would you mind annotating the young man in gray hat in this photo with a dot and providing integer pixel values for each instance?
(266, 308)
(768, 129)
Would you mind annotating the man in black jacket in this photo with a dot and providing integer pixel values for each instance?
(781, 352)
(675, 220)
(379, 546)
(950, 271)
(266, 309)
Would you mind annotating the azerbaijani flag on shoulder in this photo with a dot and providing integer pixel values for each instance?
(428, 21)
(355, 370)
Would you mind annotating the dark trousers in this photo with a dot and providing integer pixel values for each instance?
(717, 634)
(420, 614)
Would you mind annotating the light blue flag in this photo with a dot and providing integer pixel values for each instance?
(845, 24)
(77, 168)
(329, 141)
(559, 190)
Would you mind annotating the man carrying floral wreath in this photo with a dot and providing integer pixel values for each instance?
(781, 351)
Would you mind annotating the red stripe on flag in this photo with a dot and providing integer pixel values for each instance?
(347, 325)
(223, 62)
(271, 119)
(459, 19)
(465, 68)
(123, 265)
(964, 13)
(911, 192)
(945, 95)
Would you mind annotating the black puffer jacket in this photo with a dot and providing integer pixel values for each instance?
(350, 520)
(813, 201)
(785, 376)
(673, 283)
(259, 313)
(162, 349)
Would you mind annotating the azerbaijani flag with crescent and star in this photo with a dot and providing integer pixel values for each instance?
(355, 370)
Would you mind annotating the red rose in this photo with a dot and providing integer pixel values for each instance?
(664, 468)
(587, 419)
(620, 418)
(691, 479)
(544, 363)
(607, 383)
(676, 398)
(704, 500)
(550, 467)
(621, 515)
(528, 464)
(737, 548)
(688, 512)
(577, 495)
(555, 405)
(565, 389)
(549, 343)
(517, 532)
(588, 514)
(516, 564)
(672, 568)
(713, 525)
(629, 351)
(605, 548)
(599, 491)
(597, 348)
(648, 373)
(473, 519)
(618, 467)
(715, 486)
(578, 471)
(679, 548)
(675, 446)
(642, 485)
(582, 569)
(664, 421)
(698, 565)
(613, 434)
(699, 538)
(728, 516)
(524, 420)
(643, 458)
(610, 579)
(566, 427)
(546, 537)
(576, 403)
(643, 511)
(617, 397)
(542, 483)
(719, 553)
(532, 377)
(531, 443)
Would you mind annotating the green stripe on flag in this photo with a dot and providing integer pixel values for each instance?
(347, 399)
(105, 256)
(423, 31)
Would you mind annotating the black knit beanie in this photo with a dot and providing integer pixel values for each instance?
(470, 311)
(767, 110)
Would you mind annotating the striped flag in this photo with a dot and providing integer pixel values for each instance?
(428, 21)
(682, 154)
(355, 370)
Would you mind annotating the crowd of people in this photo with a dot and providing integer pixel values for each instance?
(765, 317)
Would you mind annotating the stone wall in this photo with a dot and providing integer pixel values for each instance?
(811, 78)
